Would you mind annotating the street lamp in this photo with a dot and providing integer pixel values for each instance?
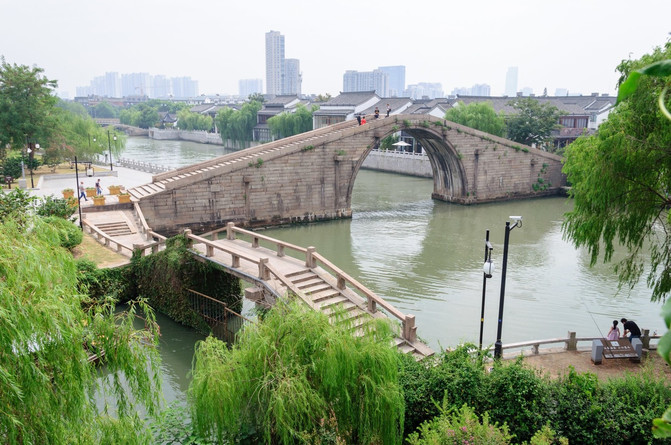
(498, 346)
(488, 270)
(109, 146)
(31, 157)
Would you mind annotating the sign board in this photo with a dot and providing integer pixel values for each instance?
(618, 349)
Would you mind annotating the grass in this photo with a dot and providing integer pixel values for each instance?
(91, 249)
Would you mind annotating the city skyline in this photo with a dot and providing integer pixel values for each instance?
(577, 48)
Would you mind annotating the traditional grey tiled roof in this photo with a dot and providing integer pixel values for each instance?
(203, 108)
(570, 105)
(425, 106)
(280, 101)
(394, 104)
(350, 99)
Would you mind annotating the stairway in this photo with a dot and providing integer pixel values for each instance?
(236, 160)
(118, 228)
(340, 309)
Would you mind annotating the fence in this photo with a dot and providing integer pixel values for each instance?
(224, 322)
(142, 166)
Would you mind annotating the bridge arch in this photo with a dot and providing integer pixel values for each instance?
(310, 177)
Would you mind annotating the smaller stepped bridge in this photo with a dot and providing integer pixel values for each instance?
(263, 262)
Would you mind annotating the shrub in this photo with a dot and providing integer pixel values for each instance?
(59, 207)
(460, 427)
(70, 235)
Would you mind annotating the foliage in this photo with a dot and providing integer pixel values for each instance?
(27, 104)
(12, 167)
(70, 236)
(163, 277)
(323, 97)
(15, 204)
(142, 115)
(169, 427)
(388, 142)
(460, 427)
(59, 207)
(104, 110)
(547, 436)
(186, 120)
(256, 97)
(480, 116)
(105, 284)
(662, 426)
(238, 125)
(457, 375)
(295, 374)
(517, 397)
(288, 124)
(620, 183)
(46, 381)
(533, 122)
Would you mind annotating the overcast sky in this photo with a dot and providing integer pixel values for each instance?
(573, 44)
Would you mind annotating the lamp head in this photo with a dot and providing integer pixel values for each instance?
(488, 268)
(518, 221)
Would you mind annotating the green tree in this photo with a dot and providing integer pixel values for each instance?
(238, 125)
(186, 120)
(295, 377)
(288, 124)
(104, 110)
(256, 97)
(47, 333)
(621, 183)
(148, 116)
(478, 115)
(27, 103)
(533, 122)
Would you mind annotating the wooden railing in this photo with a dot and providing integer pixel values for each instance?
(570, 343)
(312, 258)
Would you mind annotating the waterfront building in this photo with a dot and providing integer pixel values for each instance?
(272, 107)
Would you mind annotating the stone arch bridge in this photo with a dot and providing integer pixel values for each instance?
(310, 177)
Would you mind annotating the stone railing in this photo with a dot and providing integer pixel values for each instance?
(142, 166)
(569, 343)
(312, 259)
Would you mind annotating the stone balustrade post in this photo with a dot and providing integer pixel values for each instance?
(230, 234)
(187, 234)
(645, 338)
(572, 343)
(310, 261)
(264, 272)
(409, 328)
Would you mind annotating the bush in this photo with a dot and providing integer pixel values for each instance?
(70, 235)
(460, 427)
(59, 207)
(100, 284)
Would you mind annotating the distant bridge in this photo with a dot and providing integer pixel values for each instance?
(310, 177)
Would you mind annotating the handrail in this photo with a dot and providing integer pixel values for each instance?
(571, 342)
(226, 308)
(231, 230)
(99, 234)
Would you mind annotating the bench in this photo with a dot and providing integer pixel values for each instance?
(613, 349)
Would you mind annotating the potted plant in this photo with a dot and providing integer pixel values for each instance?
(68, 193)
(90, 192)
(114, 189)
(124, 197)
(99, 200)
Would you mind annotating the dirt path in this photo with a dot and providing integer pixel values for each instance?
(558, 363)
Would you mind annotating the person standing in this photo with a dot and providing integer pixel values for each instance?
(614, 333)
(388, 110)
(363, 119)
(377, 112)
(632, 328)
(82, 191)
(358, 118)
(99, 188)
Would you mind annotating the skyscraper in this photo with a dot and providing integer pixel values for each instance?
(375, 80)
(396, 79)
(511, 82)
(274, 62)
(292, 77)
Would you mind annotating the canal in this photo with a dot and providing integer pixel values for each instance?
(426, 258)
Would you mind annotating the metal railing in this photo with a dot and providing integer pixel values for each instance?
(224, 322)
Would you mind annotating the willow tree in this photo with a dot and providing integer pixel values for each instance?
(621, 183)
(294, 378)
(480, 116)
(288, 124)
(238, 125)
(48, 330)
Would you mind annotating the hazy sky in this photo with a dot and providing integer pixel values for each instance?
(573, 44)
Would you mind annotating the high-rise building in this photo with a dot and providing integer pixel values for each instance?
(511, 82)
(247, 87)
(135, 84)
(184, 87)
(160, 87)
(292, 77)
(424, 90)
(274, 62)
(376, 80)
(481, 89)
(396, 79)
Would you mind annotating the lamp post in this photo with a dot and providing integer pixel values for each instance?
(31, 157)
(79, 195)
(498, 346)
(109, 146)
(488, 270)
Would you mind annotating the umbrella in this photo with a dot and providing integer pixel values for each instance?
(401, 144)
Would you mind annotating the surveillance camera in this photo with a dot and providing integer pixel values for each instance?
(516, 218)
